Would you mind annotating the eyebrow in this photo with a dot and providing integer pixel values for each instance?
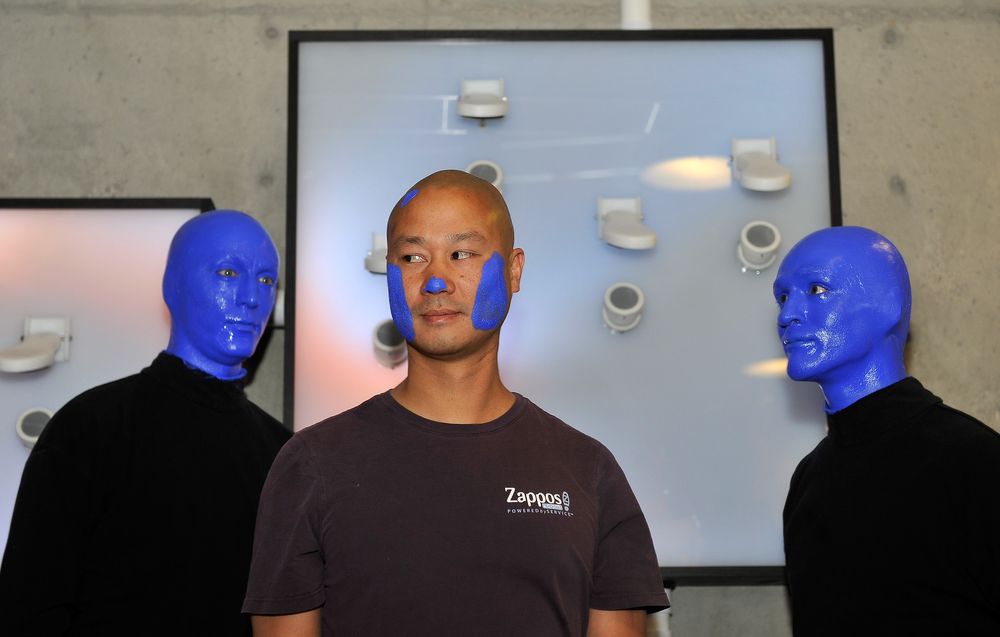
(471, 235)
(460, 237)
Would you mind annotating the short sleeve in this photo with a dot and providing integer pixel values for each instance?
(286, 572)
(626, 572)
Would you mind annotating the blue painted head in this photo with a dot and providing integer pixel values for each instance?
(219, 285)
(844, 311)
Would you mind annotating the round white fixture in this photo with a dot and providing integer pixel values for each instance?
(756, 167)
(30, 425)
(758, 245)
(483, 99)
(486, 170)
(389, 344)
(623, 304)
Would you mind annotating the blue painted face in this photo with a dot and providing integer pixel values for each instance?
(219, 285)
(489, 308)
(400, 311)
(844, 300)
(491, 295)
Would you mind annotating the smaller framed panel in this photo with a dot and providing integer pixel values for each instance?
(99, 263)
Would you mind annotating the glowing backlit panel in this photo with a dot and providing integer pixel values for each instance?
(691, 402)
(102, 268)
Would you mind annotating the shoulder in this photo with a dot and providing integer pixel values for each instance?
(358, 422)
(551, 431)
(950, 432)
(270, 427)
(94, 412)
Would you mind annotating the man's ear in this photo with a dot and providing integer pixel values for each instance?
(516, 267)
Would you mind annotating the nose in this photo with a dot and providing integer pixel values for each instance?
(791, 311)
(435, 285)
(247, 292)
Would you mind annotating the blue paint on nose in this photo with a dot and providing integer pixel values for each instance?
(435, 285)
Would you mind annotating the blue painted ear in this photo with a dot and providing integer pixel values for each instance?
(400, 311)
(491, 295)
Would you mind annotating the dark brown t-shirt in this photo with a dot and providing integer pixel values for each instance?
(395, 524)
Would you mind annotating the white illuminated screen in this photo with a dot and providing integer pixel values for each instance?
(692, 402)
(101, 268)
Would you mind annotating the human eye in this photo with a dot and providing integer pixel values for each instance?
(413, 258)
(460, 254)
(818, 290)
(228, 273)
(266, 279)
(781, 297)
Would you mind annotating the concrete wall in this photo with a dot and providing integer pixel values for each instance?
(130, 98)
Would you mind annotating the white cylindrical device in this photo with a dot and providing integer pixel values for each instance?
(388, 344)
(758, 245)
(623, 303)
(636, 15)
(30, 425)
(488, 170)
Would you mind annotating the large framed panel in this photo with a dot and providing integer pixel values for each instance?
(693, 402)
(99, 263)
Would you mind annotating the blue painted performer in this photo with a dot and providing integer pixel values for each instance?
(136, 507)
(892, 523)
(450, 505)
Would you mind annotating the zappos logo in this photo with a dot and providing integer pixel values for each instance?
(537, 502)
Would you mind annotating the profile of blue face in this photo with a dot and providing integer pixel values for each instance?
(844, 304)
(219, 285)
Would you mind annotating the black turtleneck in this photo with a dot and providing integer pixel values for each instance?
(892, 523)
(136, 509)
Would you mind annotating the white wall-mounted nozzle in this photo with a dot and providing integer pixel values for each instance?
(619, 223)
(278, 313)
(389, 344)
(30, 425)
(488, 170)
(756, 167)
(636, 15)
(623, 303)
(483, 99)
(758, 245)
(45, 341)
(375, 260)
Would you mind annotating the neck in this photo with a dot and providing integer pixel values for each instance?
(460, 391)
(192, 358)
(849, 386)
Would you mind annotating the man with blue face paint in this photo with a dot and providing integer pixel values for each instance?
(136, 507)
(892, 523)
(450, 505)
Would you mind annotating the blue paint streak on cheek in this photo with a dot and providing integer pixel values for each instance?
(408, 197)
(491, 296)
(397, 302)
(435, 285)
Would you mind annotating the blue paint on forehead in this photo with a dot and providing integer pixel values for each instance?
(491, 296)
(400, 311)
(435, 285)
(409, 196)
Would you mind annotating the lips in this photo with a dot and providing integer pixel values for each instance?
(797, 342)
(242, 325)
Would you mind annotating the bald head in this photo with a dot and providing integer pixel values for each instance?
(478, 193)
(844, 309)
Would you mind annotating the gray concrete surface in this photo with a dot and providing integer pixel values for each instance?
(130, 98)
